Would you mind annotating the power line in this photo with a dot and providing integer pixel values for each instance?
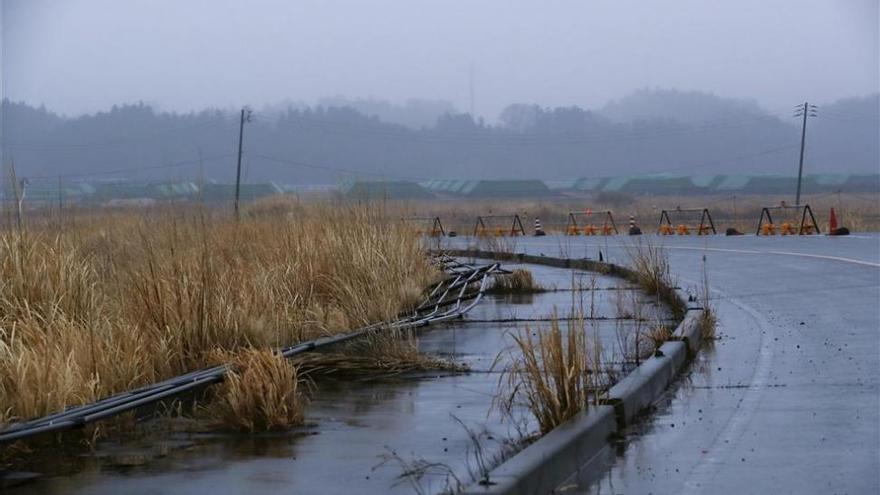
(175, 134)
(853, 115)
(737, 158)
(498, 136)
(139, 169)
(348, 171)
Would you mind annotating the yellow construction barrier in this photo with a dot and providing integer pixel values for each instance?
(608, 226)
(666, 227)
(516, 227)
(805, 225)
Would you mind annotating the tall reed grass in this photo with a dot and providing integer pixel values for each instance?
(649, 265)
(555, 373)
(264, 391)
(116, 300)
(519, 281)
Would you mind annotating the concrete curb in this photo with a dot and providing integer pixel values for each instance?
(580, 264)
(555, 457)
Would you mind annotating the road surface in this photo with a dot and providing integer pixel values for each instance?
(788, 400)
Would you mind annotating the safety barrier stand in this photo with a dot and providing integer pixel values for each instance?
(788, 228)
(608, 226)
(706, 226)
(516, 226)
(436, 229)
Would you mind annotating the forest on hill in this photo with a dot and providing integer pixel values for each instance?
(648, 132)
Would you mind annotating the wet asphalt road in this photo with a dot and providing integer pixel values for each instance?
(788, 399)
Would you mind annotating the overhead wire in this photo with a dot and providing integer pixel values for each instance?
(92, 173)
(174, 133)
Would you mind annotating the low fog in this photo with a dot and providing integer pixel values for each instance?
(419, 90)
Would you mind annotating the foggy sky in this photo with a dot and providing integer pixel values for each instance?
(79, 56)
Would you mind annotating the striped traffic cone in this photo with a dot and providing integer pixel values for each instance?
(633, 228)
(539, 231)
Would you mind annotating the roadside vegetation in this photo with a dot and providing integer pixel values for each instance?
(100, 302)
(708, 322)
(519, 281)
(556, 373)
(649, 266)
(262, 392)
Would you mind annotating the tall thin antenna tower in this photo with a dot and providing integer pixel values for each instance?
(471, 89)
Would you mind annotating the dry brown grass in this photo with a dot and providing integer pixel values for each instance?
(555, 373)
(262, 392)
(118, 299)
(518, 281)
(708, 324)
(655, 337)
(650, 267)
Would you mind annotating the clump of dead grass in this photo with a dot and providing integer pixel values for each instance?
(708, 319)
(708, 324)
(519, 281)
(649, 265)
(263, 391)
(555, 373)
(655, 337)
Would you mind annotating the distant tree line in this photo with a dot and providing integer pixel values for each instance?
(327, 144)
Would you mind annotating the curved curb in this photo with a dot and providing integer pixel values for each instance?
(555, 457)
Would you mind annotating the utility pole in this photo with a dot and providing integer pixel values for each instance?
(245, 117)
(803, 110)
(60, 204)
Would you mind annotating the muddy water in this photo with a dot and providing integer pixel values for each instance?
(361, 436)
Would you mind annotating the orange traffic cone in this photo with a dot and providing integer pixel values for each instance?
(833, 229)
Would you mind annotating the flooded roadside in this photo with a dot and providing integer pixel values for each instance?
(361, 436)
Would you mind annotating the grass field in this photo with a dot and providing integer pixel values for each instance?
(97, 302)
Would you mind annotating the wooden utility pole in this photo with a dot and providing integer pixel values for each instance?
(245, 117)
(60, 204)
(805, 110)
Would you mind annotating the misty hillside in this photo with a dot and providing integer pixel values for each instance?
(691, 133)
(681, 106)
(415, 113)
